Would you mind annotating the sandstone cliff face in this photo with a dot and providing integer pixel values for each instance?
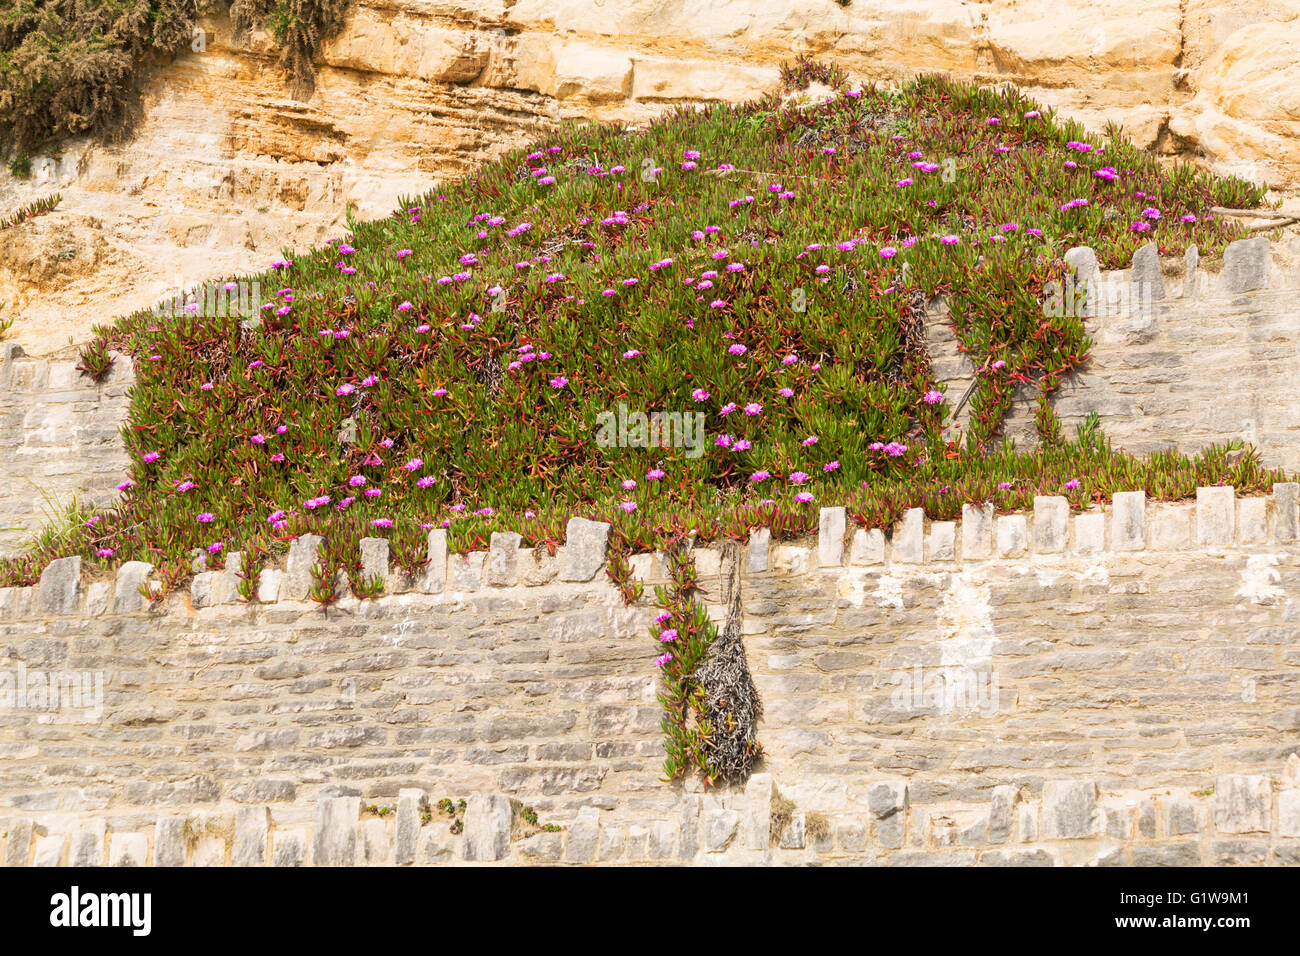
(226, 170)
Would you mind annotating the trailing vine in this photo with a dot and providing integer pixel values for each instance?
(701, 716)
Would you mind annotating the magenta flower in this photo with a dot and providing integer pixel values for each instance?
(753, 408)
(215, 547)
(356, 481)
(1073, 483)
(803, 497)
(151, 456)
(700, 395)
(661, 661)
(258, 439)
(559, 382)
(206, 517)
(414, 464)
(382, 523)
(104, 552)
(654, 474)
(932, 397)
(797, 477)
(628, 506)
(737, 349)
(669, 635)
(727, 409)
(426, 482)
(949, 240)
(760, 476)
(343, 390)
(629, 484)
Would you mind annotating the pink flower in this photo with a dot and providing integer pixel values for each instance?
(206, 517)
(669, 635)
(654, 474)
(932, 397)
(803, 497)
(345, 390)
(753, 408)
(661, 661)
(700, 395)
(631, 353)
(628, 506)
(737, 349)
(1073, 483)
(797, 477)
(888, 252)
(258, 439)
(810, 440)
(760, 476)
(727, 409)
(414, 464)
(949, 240)
(382, 523)
(151, 456)
(559, 382)
(629, 484)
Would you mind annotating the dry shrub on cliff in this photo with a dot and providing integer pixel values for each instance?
(299, 28)
(72, 66)
(69, 67)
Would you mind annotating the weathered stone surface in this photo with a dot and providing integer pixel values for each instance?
(131, 576)
(487, 827)
(169, 841)
(758, 811)
(128, 849)
(60, 588)
(1051, 514)
(868, 547)
(406, 841)
(252, 826)
(1286, 511)
(1128, 521)
(830, 537)
(1242, 803)
(374, 559)
(336, 831)
(1150, 283)
(503, 558)
(908, 542)
(756, 554)
(583, 554)
(1012, 536)
(303, 554)
(1246, 264)
(1215, 525)
(976, 531)
(435, 574)
(584, 836)
(1070, 809)
(719, 829)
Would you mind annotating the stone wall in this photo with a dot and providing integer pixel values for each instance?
(1116, 686)
(1186, 353)
(59, 439)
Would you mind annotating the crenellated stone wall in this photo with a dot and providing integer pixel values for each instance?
(59, 440)
(1115, 686)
